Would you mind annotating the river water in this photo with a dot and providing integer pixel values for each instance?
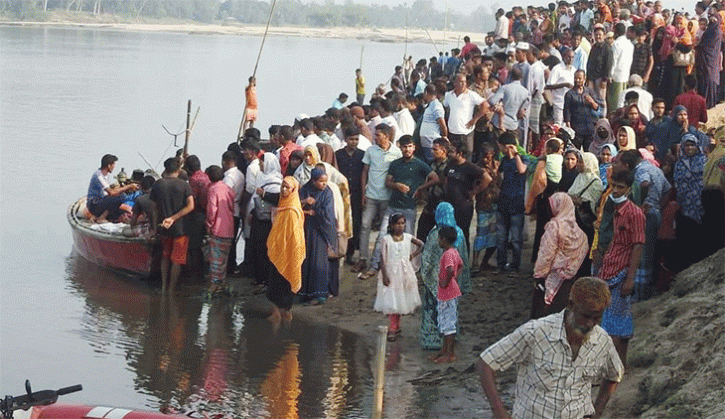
(68, 96)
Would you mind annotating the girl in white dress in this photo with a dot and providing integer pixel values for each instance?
(397, 283)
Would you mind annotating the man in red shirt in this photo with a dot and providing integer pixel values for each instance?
(621, 261)
(695, 104)
(286, 140)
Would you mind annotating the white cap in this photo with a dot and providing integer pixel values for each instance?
(522, 46)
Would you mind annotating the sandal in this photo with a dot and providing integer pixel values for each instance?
(316, 302)
(359, 266)
(367, 275)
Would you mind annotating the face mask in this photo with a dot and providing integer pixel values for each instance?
(618, 200)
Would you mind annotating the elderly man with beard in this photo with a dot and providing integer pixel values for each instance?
(558, 357)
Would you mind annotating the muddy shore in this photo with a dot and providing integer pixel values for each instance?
(497, 305)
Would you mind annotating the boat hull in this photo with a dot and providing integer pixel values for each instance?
(133, 255)
(60, 411)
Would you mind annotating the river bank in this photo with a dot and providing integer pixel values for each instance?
(110, 22)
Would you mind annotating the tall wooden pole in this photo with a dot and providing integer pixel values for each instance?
(254, 73)
(188, 128)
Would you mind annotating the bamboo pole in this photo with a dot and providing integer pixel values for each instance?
(254, 73)
(432, 41)
(362, 50)
(380, 372)
(187, 134)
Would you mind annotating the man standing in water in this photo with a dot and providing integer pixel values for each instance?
(172, 199)
(359, 87)
(558, 358)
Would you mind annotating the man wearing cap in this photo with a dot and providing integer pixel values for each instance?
(520, 56)
(558, 358)
(644, 101)
(466, 108)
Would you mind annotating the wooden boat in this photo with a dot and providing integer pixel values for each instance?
(110, 248)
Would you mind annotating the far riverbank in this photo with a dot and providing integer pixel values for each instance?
(441, 39)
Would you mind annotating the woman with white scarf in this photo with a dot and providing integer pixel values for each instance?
(585, 193)
(266, 196)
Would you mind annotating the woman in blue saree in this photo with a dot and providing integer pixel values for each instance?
(320, 275)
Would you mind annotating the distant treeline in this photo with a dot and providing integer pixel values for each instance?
(420, 14)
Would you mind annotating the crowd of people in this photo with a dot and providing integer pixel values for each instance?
(583, 117)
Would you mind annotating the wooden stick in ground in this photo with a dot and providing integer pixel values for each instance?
(254, 73)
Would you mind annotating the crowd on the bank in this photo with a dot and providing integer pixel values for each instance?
(583, 116)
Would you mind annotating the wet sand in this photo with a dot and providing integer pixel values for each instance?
(497, 306)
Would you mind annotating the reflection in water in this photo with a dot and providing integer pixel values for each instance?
(281, 388)
(217, 359)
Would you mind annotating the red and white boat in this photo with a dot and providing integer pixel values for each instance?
(107, 246)
(60, 411)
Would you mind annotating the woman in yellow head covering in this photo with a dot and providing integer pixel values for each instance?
(286, 249)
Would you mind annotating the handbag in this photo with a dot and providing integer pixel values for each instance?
(341, 248)
(262, 209)
(683, 59)
(583, 213)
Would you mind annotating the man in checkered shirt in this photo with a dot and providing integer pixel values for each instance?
(558, 357)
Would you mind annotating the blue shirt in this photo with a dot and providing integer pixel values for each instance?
(514, 97)
(659, 187)
(511, 197)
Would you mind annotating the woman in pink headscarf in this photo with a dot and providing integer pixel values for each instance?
(563, 249)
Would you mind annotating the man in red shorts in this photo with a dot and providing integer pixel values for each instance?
(172, 201)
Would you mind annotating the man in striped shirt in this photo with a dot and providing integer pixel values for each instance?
(558, 357)
(621, 261)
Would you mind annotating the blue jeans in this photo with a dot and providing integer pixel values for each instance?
(409, 215)
(427, 154)
(513, 224)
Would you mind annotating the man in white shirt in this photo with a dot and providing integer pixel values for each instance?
(250, 151)
(535, 86)
(502, 25)
(385, 109)
(644, 103)
(402, 116)
(560, 81)
(466, 108)
(433, 125)
(307, 132)
(622, 53)
(234, 178)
